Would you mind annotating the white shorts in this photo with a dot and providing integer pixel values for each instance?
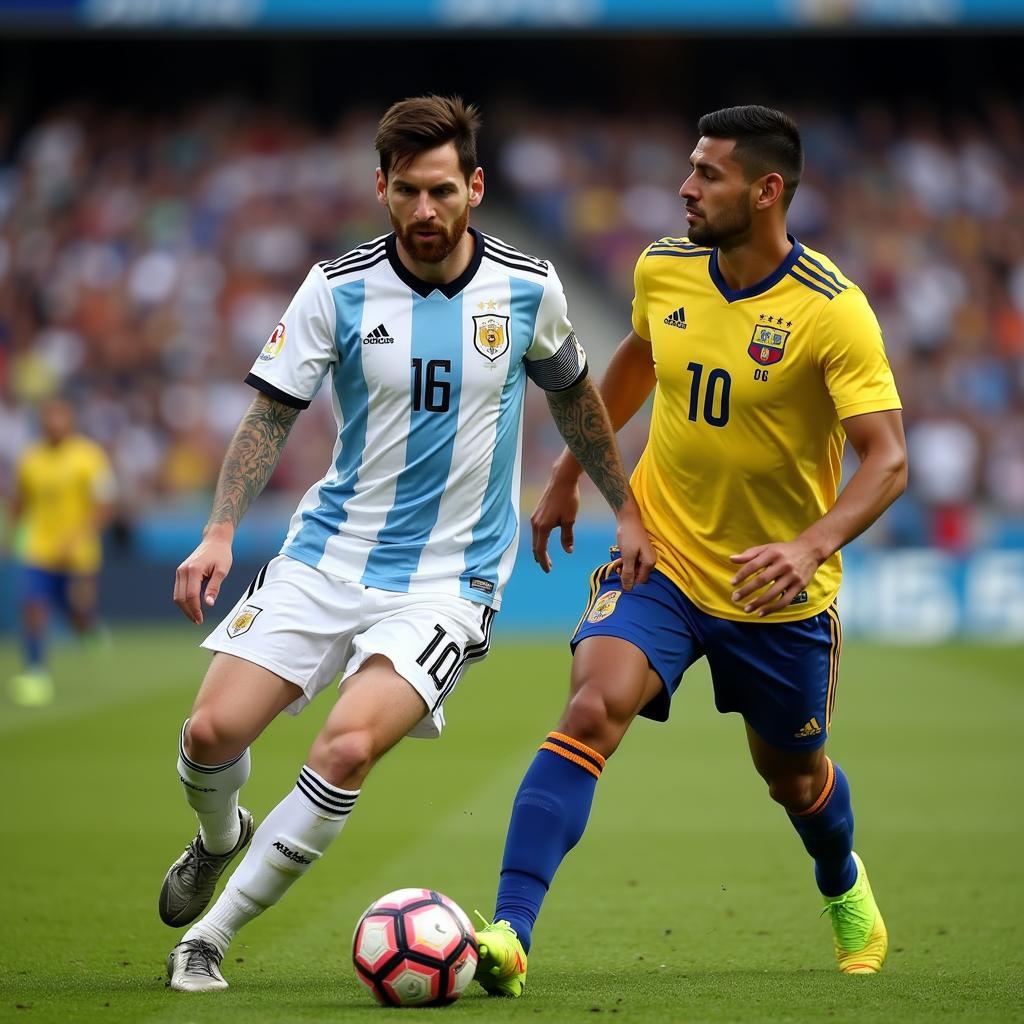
(306, 627)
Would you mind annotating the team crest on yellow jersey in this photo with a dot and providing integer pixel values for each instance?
(243, 620)
(274, 344)
(604, 606)
(491, 335)
(767, 344)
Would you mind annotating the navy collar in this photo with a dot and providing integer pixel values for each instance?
(763, 285)
(424, 288)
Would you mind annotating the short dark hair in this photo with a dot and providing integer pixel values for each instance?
(414, 125)
(766, 140)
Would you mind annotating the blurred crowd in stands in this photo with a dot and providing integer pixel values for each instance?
(144, 262)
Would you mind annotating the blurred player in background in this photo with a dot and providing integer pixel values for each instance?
(395, 561)
(63, 494)
(763, 358)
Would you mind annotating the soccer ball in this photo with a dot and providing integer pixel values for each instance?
(414, 947)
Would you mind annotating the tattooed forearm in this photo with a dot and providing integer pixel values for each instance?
(583, 422)
(251, 458)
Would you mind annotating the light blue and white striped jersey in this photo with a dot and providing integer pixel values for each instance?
(427, 385)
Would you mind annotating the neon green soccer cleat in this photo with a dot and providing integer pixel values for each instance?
(859, 934)
(33, 689)
(501, 969)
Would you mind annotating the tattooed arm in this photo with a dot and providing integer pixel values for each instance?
(250, 459)
(583, 421)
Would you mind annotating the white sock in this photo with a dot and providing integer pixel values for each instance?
(224, 918)
(212, 791)
(292, 838)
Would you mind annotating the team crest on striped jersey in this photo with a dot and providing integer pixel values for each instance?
(767, 344)
(491, 335)
(243, 620)
(604, 606)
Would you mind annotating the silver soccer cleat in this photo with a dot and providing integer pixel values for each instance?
(190, 881)
(194, 966)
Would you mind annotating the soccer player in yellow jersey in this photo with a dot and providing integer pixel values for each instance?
(62, 500)
(764, 358)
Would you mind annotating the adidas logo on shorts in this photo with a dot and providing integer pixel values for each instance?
(810, 729)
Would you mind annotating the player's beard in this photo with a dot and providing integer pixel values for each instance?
(731, 228)
(437, 249)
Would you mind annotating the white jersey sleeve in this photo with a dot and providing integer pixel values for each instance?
(302, 348)
(555, 360)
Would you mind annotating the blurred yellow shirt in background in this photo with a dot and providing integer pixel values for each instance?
(61, 488)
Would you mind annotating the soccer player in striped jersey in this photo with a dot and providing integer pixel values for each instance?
(763, 358)
(394, 563)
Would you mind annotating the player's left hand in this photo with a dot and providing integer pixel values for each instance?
(780, 570)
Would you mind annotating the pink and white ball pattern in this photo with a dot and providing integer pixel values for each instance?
(414, 947)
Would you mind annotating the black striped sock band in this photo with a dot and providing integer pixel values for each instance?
(206, 769)
(333, 802)
(572, 750)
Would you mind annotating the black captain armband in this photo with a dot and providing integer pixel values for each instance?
(559, 371)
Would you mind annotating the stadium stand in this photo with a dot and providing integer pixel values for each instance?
(144, 260)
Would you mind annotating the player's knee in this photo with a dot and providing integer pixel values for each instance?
(794, 792)
(209, 740)
(590, 719)
(344, 759)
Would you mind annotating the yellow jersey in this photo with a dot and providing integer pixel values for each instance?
(60, 487)
(745, 442)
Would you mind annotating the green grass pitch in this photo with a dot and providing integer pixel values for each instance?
(690, 898)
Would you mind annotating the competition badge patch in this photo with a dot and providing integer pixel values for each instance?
(243, 620)
(767, 344)
(274, 344)
(491, 335)
(604, 606)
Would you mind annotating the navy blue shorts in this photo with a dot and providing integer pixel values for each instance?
(780, 676)
(50, 588)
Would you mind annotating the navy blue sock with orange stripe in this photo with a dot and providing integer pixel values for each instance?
(826, 829)
(548, 818)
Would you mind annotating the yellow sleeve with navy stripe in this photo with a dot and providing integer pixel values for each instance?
(851, 355)
(746, 437)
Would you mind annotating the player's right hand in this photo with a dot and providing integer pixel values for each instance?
(209, 564)
(637, 556)
(558, 506)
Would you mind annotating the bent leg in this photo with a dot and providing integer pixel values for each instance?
(236, 702)
(34, 616)
(816, 795)
(611, 682)
(32, 687)
(376, 708)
